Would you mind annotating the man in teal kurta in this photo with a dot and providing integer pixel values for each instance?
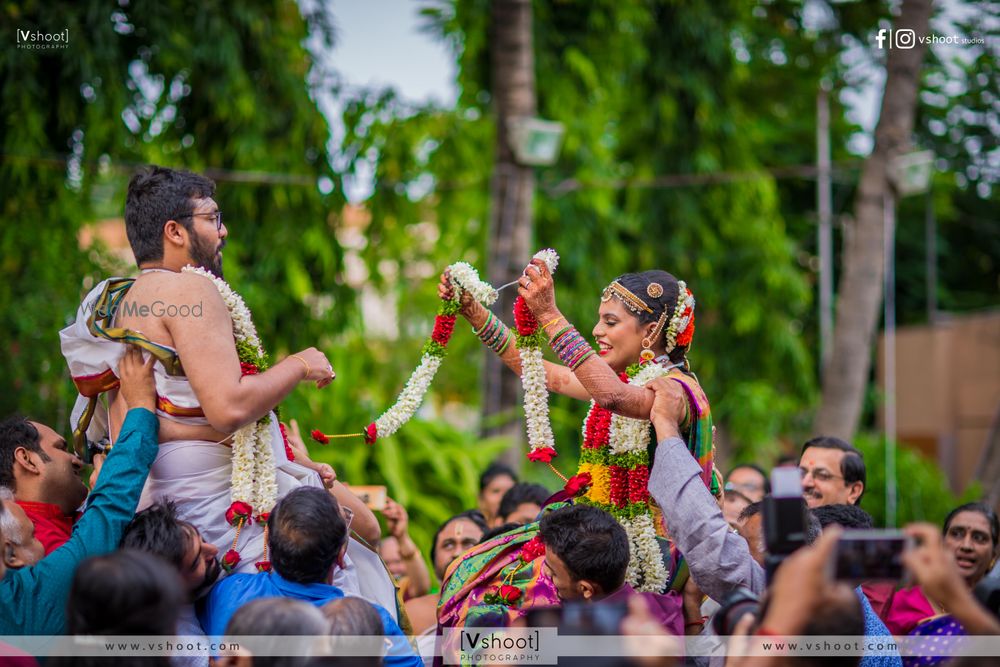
(33, 599)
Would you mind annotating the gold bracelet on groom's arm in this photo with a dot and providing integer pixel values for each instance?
(303, 361)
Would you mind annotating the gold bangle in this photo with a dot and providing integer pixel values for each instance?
(295, 356)
(546, 327)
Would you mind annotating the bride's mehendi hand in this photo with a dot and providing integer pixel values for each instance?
(467, 305)
(538, 290)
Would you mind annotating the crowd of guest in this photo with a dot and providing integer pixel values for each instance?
(81, 561)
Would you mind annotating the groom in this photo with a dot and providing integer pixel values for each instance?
(203, 392)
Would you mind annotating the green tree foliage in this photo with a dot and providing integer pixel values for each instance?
(922, 491)
(225, 89)
(136, 86)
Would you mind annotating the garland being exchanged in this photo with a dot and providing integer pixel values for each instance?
(254, 486)
(464, 278)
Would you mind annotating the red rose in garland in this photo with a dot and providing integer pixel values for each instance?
(532, 549)
(230, 560)
(239, 510)
(578, 484)
(509, 595)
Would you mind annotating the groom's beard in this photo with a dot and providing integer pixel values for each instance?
(205, 253)
(212, 573)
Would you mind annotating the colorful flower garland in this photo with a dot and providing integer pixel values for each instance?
(614, 454)
(254, 485)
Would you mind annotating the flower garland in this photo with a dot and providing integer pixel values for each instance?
(254, 486)
(464, 278)
(614, 453)
(536, 396)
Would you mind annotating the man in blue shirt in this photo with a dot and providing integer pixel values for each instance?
(33, 599)
(307, 541)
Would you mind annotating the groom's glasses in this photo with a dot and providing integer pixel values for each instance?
(215, 217)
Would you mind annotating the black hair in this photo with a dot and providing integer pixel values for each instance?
(493, 471)
(638, 284)
(475, 516)
(751, 510)
(306, 533)
(852, 466)
(16, 431)
(981, 508)
(520, 493)
(157, 530)
(266, 619)
(754, 466)
(842, 514)
(156, 195)
(590, 541)
(813, 526)
(126, 592)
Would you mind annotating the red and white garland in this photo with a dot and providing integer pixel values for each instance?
(530, 342)
(254, 485)
(464, 278)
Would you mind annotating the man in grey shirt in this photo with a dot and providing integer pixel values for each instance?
(719, 560)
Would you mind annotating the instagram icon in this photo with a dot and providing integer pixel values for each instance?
(904, 39)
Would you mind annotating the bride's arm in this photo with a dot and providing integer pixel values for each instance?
(591, 373)
(558, 378)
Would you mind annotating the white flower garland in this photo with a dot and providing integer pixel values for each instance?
(410, 398)
(465, 277)
(632, 435)
(253, 469)
(645, 572)
(536, 394)
(536, 399)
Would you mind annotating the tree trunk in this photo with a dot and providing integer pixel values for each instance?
(512, 191)
(860, 291)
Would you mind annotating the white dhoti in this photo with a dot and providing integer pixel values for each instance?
(196, 476)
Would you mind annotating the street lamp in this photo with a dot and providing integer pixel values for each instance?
(535, 142)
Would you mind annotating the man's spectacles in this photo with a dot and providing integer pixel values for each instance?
(215, 217)
(819, 474)
(348, 515)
